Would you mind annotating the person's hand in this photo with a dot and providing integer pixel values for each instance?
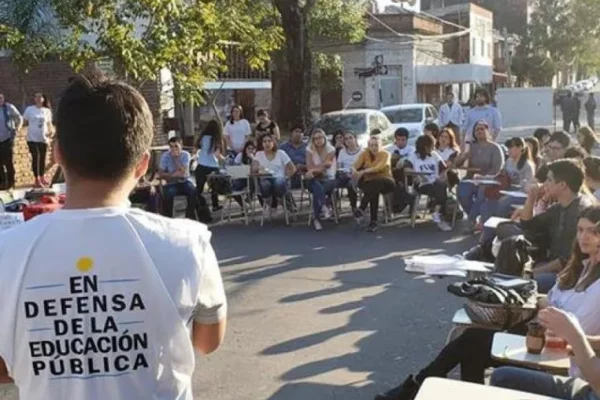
(417, 180)
(152, 190)
(542, 302)
(309, 175)
(358, 174)
(534, 191)
(516, 215)
(562, 324)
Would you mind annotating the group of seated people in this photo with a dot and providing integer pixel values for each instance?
(560, 216)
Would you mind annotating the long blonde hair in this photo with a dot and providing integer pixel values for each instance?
(325, 150)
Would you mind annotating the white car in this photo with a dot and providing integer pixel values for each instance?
(412, 117)
(364, 123)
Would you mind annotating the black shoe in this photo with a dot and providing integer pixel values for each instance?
(407, 391)
(217, 208)
(358, 215)
(372, 227)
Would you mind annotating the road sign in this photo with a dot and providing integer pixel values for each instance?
(357, 96)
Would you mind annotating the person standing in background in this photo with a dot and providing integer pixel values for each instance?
(590, 109)
(38, 119)
(482, 111)
(577, 112)
(237, 130)
(451, 113)
(10, 123)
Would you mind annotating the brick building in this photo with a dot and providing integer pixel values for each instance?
(51, 78)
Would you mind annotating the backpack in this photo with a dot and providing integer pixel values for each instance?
(513, 257)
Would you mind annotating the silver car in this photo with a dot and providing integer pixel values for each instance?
(412, 117)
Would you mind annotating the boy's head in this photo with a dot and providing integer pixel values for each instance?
(104, 130)
(556, 146)
(564, 175)
(401, 137)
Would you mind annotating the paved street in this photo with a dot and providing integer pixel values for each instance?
(328, 315)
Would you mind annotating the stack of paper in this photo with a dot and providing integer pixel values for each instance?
(444, 265)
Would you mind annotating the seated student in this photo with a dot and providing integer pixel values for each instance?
(295, 148)
(448, 149)
(175, 169)
(210, 147)
(373, 173)
(542, 135)
(145, 193)
(400, 149)
(432, 129)
(584, 353)
(338, 142)
(320, 160)
(534, 148)
(592, 175)
(554, 149)
(266, 125)
(425, 159)
(576, 153)
(577, 291)
(520, 170)
(485, 158)
(244, 158)
(345, 161)
(279, 165)
(589, 141)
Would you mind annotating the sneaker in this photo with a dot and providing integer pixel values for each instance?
(444, 227)
(436, 217)
(317, 225)
(407, 391)
(358, 215)
(372, 227)
(326, 213)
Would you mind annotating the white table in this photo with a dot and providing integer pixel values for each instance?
(514, 193)
(511, 349)
(439, 389)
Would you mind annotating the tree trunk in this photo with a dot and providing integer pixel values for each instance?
(295, 102)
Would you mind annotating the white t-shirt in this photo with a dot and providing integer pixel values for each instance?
(276, 166)
(583, 305)
(345, 161)
(430, 164)
(99, 303)
(404, 152)
(38, 120)
(446, 153)
(238, 132)
(330, 172)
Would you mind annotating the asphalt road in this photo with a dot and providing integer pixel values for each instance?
(329, 315)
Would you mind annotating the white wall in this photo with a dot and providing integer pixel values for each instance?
(481, 39)
(538, 103)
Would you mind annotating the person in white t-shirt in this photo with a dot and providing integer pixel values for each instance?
(345, 161)
(278, 164)
(400, 150)
(237, 130)
(100, 300)
(321, 164)
(38, 120)
(427, 166)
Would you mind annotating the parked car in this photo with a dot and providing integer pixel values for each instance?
(363, 123)
(413, 117)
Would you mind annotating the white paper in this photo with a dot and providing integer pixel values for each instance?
(493, 222)
(444, 265)
(512, 193)
(9, 220)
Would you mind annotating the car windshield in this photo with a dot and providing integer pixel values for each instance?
(354, 123)
(405, 115)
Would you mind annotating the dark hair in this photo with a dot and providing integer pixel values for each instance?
(592, 167)
(568, 171)
(176, 139)
(401, 132)
(540, 134)
(298, 126)
(535, 149)
(451, 135)
(46, 102)
(571, 274)
(262, 113)
(575, 153)
(484, 93)
(231, 113)
(424, 142)
(103, 128)
(589, 139)
(561, 138)
(245, 159)
(525, 152)
(336, 134)
(434, 128)
(272, 137)
(214, 129)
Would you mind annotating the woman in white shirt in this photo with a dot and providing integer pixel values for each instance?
(577, 292)
(427, 162)
(320, 161)
(448, 149)
(277, 163)
(38, 119)
(345, 160)
(237, 130)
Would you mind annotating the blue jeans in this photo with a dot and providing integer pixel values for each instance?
(542, 383)
(320, 189)
(187, 189)
(273, 187)
(545, 280)
(471, 197)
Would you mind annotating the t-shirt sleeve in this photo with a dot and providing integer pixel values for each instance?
(248, 128)
(227, 129)
(26, 114)
(211, 303)
(285, 159)
(238, 159)
(163, 162)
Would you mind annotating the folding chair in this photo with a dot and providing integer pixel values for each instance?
(334, 201)
(234, 173)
